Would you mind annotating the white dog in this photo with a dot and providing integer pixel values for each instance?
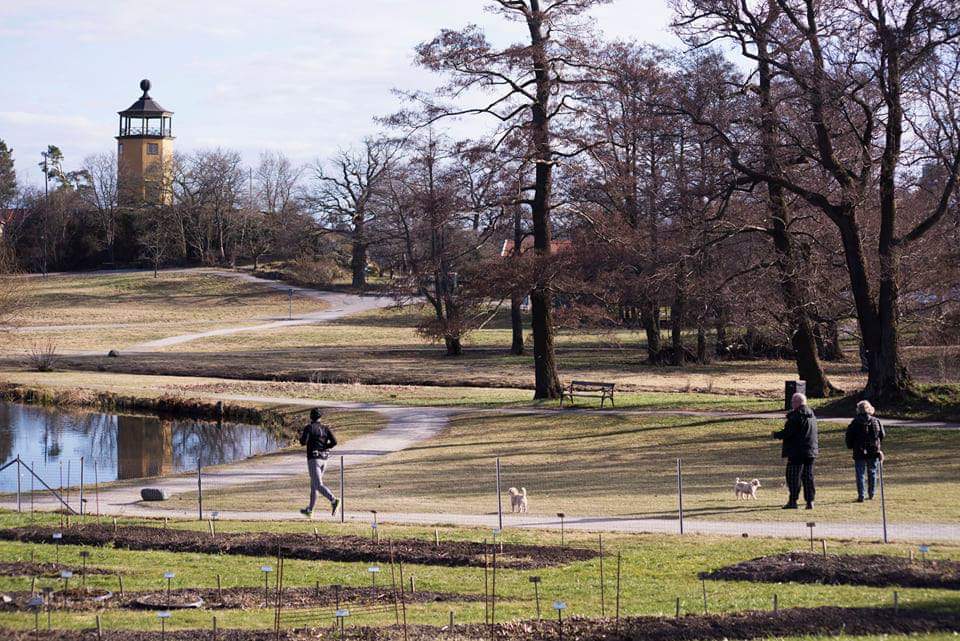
(746, 489)
(518, 499)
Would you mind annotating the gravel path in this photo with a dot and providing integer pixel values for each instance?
(339, 305)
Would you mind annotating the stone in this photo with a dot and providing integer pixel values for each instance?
(113, 353)
(154, 494)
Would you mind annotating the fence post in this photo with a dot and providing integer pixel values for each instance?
(883, 504)
(199, 491)
(342, 517)
(680, 493)
(81, 486)
(18, 484)
(499, 498)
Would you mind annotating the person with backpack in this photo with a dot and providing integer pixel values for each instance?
(865, 437)
(319, 440)
(801, 446)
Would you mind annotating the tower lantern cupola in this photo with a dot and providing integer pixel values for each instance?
(144, 150)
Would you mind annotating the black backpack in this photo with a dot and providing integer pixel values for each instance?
(871, 437)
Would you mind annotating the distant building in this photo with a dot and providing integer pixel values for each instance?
(145, 151)
(556, 246)
(6, 216)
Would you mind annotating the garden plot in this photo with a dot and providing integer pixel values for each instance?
(875, 570)
(300, 546)
(747, 625)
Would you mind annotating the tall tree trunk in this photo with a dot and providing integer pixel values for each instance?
(516, 324)
(547, 381)
(888, 380)
(676, 325)
(650, 317)
(454, 347)
(702, 357)
(721, 345)
(358, 258)
(516, 298)
(802, 337)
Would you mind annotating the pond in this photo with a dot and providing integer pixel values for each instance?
(116, 446)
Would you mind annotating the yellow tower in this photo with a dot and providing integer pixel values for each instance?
(145, 151)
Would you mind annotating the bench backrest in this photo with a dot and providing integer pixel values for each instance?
(591, 385)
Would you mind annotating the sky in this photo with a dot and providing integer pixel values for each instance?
(304, 77)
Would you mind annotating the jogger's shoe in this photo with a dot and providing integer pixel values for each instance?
(810, 505)
(307, 513)
(789, 506)
(859, 499)
(334, 505)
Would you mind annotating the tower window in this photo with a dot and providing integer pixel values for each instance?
(153, 149)
(120, 149)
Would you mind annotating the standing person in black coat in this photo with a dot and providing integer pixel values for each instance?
(800, 448)
(865, 437)
(319, 440)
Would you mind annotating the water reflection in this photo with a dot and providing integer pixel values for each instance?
(115, 446)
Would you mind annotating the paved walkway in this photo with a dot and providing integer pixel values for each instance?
(339, 305)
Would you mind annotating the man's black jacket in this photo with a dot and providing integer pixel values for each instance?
(799, 435)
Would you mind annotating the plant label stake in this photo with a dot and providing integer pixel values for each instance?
(266, 569)
(169, 577)
(561, 516)
(163, 616)
(219, 590)
(923, 552)
(436, 537)
(811, 525)
(896, 602)
(374, 570)
(342, 513)
(84, 555)
(341, 615)
(560, 606)
(678, 607)
(535, 580)
(704, 584)
(65, 575)
(35, 603)
(776, 604)
(823, 543)
(57, 537)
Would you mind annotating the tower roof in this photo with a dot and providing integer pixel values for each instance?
(145, 105)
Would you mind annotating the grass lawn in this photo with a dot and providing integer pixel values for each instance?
(655, 571)
(616, 465)
(114, 310)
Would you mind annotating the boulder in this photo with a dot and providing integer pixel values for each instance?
(153, 494)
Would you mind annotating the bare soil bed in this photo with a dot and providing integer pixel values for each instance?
(325, 548)
(874, 570)
(46, 570)
(246, 598)
(745, 625)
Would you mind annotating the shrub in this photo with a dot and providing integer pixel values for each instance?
(43, 355)
(310, 272)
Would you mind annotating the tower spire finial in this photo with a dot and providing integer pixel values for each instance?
(145, 85)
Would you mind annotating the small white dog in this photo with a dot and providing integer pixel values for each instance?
(518, 499)
(746, 489)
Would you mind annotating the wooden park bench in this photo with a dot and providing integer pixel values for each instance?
(603, 391)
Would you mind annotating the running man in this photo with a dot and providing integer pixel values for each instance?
(319, 440)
